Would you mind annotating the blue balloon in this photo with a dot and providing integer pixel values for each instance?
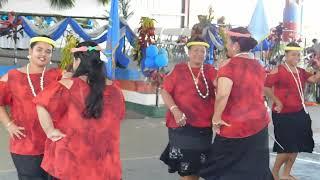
(152, 51)
(161, 60)
(163, 51)
(149, 62)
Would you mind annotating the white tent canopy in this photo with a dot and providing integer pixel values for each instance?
(81, 8)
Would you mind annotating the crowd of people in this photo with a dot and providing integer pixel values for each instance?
(66, 126)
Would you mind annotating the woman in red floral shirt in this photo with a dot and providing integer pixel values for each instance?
(292, 123)
(188, 91)
(17, 89)
(81, 117)
(240, 120)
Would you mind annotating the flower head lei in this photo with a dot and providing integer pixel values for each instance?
(89, 49)
(86, 48)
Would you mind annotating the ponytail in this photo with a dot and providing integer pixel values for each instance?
(92, 66)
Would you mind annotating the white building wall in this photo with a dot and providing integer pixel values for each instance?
(87, 8)
(166, 12)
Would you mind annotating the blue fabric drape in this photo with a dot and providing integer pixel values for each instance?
(78, 30)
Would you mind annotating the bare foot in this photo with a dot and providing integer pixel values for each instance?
(290, 177)
(285, 178)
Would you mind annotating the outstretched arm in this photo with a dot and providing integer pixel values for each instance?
(223, 93)
(47, 124)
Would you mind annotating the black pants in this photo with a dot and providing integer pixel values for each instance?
(28, 167)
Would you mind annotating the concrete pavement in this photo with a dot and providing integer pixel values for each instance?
(143, 139)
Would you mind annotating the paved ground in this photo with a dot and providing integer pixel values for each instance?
(143, 139)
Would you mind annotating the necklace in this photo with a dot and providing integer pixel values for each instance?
(195, 80)
(299, 86)
(30, 82)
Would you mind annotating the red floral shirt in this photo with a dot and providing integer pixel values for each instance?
(179, 84)
(17, 94)
(91, 148)
(245, 110)
(285, 88)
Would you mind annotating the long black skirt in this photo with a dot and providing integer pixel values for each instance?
(293, 132)
(29, 167)
(238, 159)
(187, 149)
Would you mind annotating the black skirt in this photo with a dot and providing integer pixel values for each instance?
(238, 159)
(29, 167)
(187, 149)
(293, 132)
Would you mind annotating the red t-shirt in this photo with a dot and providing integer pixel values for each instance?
(285, 88)
(179, 84)
(17, 94)
(91, 148)
(245, 110)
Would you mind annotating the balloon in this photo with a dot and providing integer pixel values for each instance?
(163, 51)
(149, 62)
(152, 51)
(161, 60)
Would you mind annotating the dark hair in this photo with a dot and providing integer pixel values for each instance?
(314, 40)
(292, 44)
(196, 39)
(92, 66)
(245, 43)
(34, 43)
